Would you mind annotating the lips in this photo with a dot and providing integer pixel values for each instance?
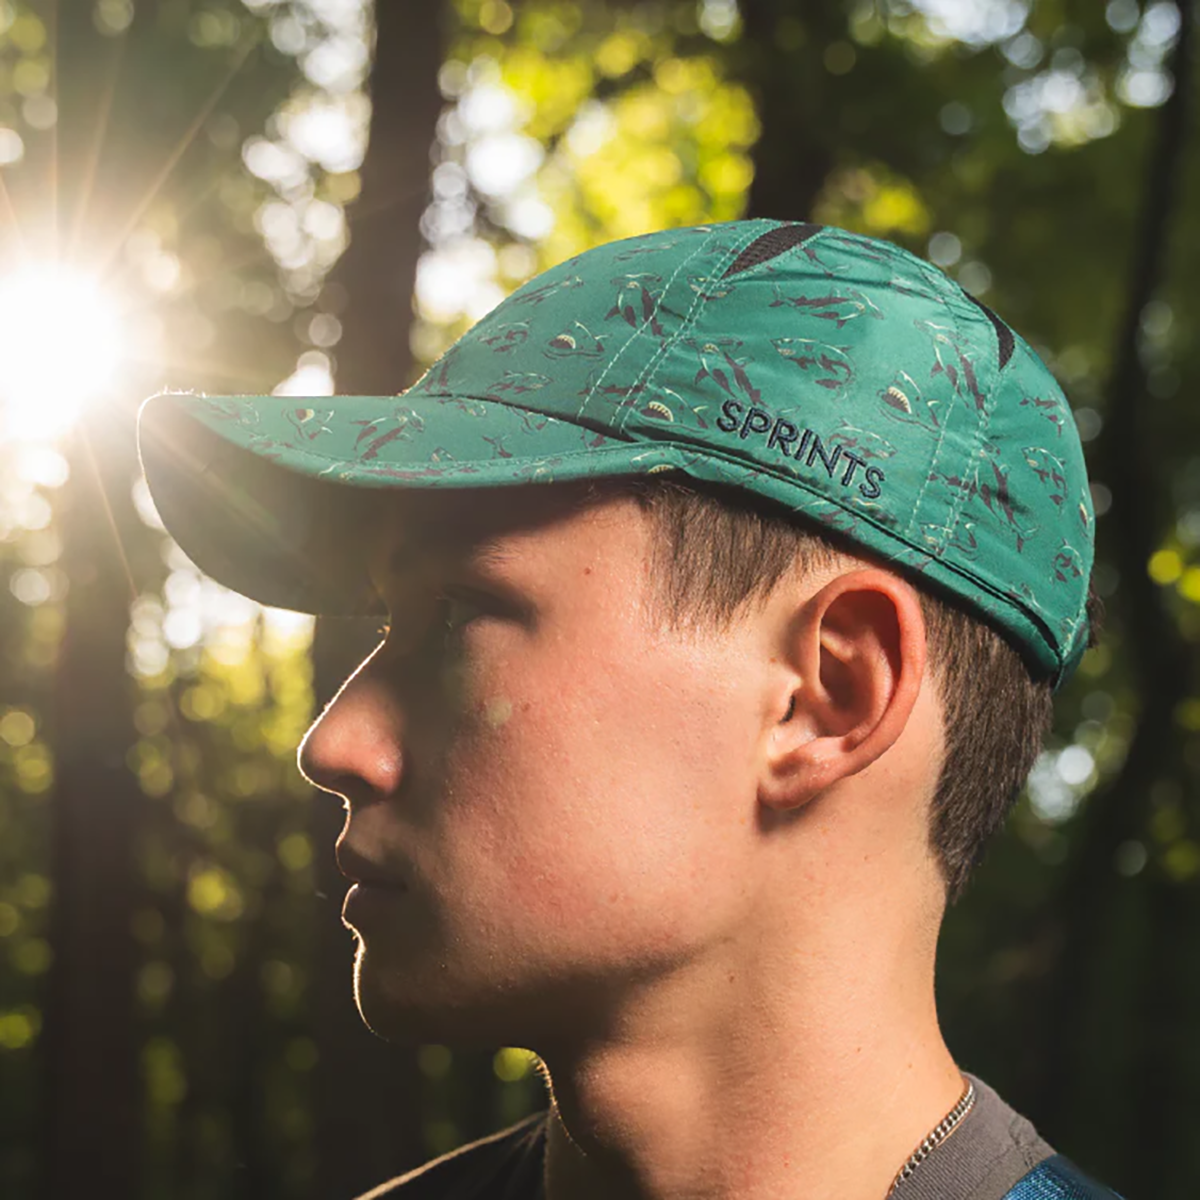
(378, 885)
(367, 903)
(365, 873)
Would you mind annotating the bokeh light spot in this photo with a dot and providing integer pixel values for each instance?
(513, 1063)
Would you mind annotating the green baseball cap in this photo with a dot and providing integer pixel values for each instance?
(837, 375)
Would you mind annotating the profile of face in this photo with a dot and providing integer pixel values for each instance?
(551, 798)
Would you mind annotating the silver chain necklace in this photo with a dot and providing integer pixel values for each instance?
(936, 1136)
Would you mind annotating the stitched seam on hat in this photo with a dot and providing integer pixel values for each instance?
(937, 454)
(939, 282)
(989, 407)
(686, 324)
(640, 329)
(981, 434)
(942, 429)
(693, 315)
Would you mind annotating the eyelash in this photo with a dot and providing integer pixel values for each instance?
(449, 597)
(460, 598)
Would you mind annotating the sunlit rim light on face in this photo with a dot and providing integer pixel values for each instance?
(60, 346)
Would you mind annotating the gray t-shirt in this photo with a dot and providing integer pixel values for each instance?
(990, 1149)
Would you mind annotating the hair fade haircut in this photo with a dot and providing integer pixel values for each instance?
(719, 549)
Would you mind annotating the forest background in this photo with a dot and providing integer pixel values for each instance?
(298, 195)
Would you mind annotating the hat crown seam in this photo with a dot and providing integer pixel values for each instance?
(637, 334)
(941, 285)
(691, 319)
(696, 312)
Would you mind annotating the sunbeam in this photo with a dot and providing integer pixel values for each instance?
(172, 161)
(103, 116)
(9, 210)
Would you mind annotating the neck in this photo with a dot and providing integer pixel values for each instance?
(798, 1074)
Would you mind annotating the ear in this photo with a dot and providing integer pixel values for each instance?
(855, 652)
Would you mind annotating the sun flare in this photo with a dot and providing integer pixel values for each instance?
(60, 347)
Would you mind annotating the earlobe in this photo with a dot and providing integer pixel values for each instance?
(858, 650)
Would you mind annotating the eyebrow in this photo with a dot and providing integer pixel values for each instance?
(480, 551)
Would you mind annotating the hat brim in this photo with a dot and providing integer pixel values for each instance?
(264, 493)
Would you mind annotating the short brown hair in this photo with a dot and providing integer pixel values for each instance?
(720, 548)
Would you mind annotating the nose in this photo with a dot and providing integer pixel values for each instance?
(353, 749)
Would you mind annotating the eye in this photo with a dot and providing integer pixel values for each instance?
(460, 607)
(453, 610)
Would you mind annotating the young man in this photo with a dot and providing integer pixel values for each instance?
(729, 573)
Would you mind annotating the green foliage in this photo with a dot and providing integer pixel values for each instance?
(628, 126)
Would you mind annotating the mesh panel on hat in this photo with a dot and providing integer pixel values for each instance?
(771, 245)
(1005, 336)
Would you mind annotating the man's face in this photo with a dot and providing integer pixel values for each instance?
(561, 792)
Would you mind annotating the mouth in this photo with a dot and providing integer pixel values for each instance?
(376, 885)
(369, 896)
(365, 874)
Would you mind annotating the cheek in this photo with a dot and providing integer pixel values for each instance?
(599, 794)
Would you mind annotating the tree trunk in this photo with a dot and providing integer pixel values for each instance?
(794, 152)
(368, 1111)
(91, 1042)
(93, 1114)
(378, 270)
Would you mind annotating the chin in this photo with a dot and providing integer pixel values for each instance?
(385, 1010)
(411, 1008)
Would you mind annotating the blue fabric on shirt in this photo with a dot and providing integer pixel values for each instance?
(1058, 1178)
